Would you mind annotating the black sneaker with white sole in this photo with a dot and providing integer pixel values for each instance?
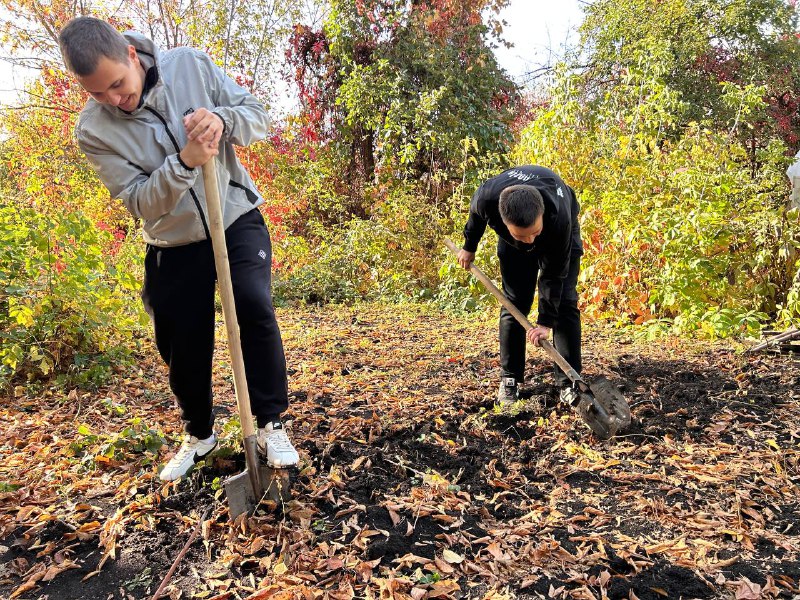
(508, 392)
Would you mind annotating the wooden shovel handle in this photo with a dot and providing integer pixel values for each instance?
(522, 319)
(217, 230)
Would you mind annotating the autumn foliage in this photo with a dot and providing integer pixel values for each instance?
(674, 130)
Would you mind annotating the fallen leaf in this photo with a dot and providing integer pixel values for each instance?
(747, 590)
(452, 557)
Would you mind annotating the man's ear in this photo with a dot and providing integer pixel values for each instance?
(134, 58)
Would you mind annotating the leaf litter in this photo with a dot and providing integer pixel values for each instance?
(411, 484)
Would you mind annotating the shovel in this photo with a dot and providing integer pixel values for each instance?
(245, 490)
(601, 406)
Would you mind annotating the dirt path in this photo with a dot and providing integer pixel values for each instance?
(412, 486)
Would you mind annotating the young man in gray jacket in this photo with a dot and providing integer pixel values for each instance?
(153, 120)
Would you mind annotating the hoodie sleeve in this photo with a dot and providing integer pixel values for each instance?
(245, 118)
(476, 224)
(146, 197)
(554, 267)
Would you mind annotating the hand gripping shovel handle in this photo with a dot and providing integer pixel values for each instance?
(217, 229)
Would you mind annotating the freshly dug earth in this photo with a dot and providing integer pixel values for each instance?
(411, 484)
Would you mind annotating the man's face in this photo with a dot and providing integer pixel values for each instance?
(526, 235)
(116, 83)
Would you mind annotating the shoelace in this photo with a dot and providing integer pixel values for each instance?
(189, 446)
(279, 440)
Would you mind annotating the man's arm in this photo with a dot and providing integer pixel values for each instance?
(554, 267)
(146, 196)
(473, 231)
(476, 224)
(244, 117)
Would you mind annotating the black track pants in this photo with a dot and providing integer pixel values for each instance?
(520, 272)
(178, 294)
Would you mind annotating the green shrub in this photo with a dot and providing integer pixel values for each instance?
(392, 254)
(66, 307)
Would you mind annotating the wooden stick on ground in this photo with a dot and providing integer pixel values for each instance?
(180, 556)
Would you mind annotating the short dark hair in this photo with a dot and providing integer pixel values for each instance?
(521, 205)
(85, 40)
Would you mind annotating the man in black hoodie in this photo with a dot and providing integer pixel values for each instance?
(535, 216)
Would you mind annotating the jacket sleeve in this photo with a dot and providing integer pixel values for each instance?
(146, 197)
(476, 224)
(246, 120)
(554, 267)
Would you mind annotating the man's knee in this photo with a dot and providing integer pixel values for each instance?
(254, 303)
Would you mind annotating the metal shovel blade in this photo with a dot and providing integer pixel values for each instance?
(239, 491)
(604, 409)
(242, 498)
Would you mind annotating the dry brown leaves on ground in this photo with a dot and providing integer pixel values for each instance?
(412, 485)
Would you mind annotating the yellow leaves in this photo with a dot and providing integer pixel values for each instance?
(435, 480)
(21, 313)
(497, 553)
(683, 498)
(365, 569)
(444, 567)
(54, 570)
(409, 559)
(46, 573)
(580, 449)
(442, 589)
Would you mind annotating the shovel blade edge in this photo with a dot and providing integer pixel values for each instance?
(240, 494)
(241, 497)
(618, 413)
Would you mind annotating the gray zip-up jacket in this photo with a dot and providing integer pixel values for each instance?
(136, 154)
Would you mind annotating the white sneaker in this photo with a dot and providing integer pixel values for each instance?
(191, 452)
(275, 445)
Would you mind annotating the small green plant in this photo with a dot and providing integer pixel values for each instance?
(320, 525)
(137, 438)
(113, 408)
(429, 578)
(141, 580)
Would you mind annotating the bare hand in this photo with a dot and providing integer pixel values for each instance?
(196, 153)
(465, 258)
(538, 333)
(204, 126)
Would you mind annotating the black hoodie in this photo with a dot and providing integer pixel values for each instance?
(560, 237)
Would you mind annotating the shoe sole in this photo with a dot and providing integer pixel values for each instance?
(273, 465)
(195, 459)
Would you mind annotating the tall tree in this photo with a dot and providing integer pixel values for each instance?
(695, 49)
(245, 37)
(401, 84)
